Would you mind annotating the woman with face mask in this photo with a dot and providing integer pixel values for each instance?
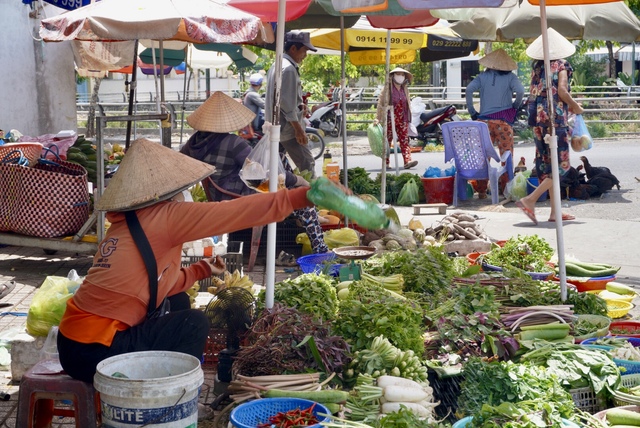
(394, 107)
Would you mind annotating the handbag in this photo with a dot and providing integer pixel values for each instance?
(149, 259)
(46, 200)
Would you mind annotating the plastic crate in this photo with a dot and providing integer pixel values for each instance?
(287, 231)
(629, 367)
(233, 259)
(216, 342)
(622, 398)
(253, 413)
(585, 399)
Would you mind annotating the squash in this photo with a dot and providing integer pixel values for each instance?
(332, 219)
(415, 224)
(323, 212)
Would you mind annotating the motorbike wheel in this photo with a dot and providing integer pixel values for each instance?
(315, 143)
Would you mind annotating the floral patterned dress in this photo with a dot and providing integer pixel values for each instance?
(539, 118)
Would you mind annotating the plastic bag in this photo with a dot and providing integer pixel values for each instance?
(432, 171)
(450, 172)
(409, 194)
(255, 171)
(581, 138)
(516, 189)
(49, 303)
(374, 134)
(417, 108)
(345, 237)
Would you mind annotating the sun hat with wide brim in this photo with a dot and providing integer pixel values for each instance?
(402, 70)
(559, 47)
(220, 113)
(498, 60)
(150, 173)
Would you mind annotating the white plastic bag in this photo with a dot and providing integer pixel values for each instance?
(255, 171)
(417, 107)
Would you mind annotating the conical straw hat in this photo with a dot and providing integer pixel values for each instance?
(220, 113)
(498, 60)
(407, 74)
(559, 47)
(150, 173)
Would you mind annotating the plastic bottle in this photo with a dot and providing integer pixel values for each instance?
(327, 195)
(326, 159)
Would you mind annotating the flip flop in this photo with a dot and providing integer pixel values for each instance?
(565, 217)
(527, 212)
(6, 288)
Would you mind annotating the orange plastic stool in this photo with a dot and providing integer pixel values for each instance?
(41, 391)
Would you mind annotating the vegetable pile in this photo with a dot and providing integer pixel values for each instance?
(530, 253)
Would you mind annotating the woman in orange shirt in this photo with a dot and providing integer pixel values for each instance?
(108, 315)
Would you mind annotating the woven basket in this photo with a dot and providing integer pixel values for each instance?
(618, 308)
(602, 321)
(31, 151)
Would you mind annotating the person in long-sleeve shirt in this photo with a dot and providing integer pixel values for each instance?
(109, 313)
(293, 136)
(497, 85)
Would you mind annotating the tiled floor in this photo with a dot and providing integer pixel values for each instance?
(28, 267)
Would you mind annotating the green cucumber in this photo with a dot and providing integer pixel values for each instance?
(323, 396)
(617, 416)
(334, 408)
(575, 270)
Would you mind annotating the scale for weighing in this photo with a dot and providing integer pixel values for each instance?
(351, 272)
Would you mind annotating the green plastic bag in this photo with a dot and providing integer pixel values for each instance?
(516, 189)
(49, 303)
(376, 141)
(409, 194)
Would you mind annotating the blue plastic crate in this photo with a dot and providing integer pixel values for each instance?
(630, 367)
(316, 263)
(252, 413)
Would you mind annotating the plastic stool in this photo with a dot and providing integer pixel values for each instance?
(40, 390)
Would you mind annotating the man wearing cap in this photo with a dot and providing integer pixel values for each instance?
(394, 108)
(111, 312)
(497, 85)
(253, 101)
(292, 126)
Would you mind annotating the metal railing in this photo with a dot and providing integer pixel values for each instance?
(603, 104)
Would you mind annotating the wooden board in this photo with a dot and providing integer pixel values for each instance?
(417, 208)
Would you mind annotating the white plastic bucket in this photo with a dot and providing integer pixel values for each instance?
(160, 390)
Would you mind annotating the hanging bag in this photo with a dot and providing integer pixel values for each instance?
(581, 137)
(255, 171)
(47, 200)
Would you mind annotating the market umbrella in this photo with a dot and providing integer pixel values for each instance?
(196, 21)
(612, 21)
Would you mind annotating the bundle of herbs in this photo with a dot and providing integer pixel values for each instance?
(493, 383)
(468, 324)
(284, 340)
(427, 271)
(369, 311)
(309, 293)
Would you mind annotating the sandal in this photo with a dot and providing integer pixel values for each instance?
(565, 217)
(527, 212)
(6, 288)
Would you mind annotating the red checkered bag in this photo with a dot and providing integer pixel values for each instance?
(49, 199)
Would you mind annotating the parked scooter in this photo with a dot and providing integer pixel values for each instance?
(328, 118)
(430, 127)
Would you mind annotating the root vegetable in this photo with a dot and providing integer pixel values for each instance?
(397, 394)
(413, 407)
(386, 380)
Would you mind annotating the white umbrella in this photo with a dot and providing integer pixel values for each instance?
(612, 21)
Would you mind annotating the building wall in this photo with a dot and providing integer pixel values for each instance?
(36, 78)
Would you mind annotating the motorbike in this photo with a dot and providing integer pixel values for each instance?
(327, 117)
(315, 143)
(430, 127)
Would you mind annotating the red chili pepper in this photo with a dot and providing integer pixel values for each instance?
(292, 418)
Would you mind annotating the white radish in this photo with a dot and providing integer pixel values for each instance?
(386, 380)
(398, 394)
(428, 404)
(415, 408)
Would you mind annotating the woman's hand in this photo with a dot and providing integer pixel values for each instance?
(217, 265)
(576, 108)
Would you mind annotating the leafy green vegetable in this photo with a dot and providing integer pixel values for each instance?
(523, 414)
(406, 419)
(427, 270)
(526, 252)
(492, 383)
(309, 293)
(369, 312)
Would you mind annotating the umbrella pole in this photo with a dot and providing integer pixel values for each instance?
(270, 269)
(132, 92)
(184, 100)
(552, 140)
(166, 123)
(343, 124)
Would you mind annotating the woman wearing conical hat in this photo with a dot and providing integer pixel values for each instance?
(395, 96)
(497, 85)
(111, 312)
(539, 118)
